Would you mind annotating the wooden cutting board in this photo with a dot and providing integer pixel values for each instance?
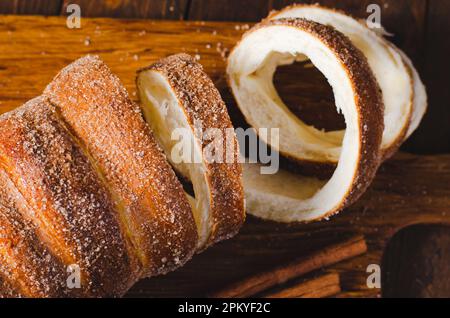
(408, 189)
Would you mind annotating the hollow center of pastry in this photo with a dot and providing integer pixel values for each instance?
(251, 69)
(170, 127)
(307, 93)
(296, 136)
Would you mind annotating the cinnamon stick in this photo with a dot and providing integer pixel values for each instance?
(327, 256)
(319, 287)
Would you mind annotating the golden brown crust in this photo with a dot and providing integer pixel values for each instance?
(69, 208)
(7, 290)
(201, 102)
(27, 267)
(154, 208)
(368, 100)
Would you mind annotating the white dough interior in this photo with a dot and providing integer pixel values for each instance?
(164, 114)
(420, 96)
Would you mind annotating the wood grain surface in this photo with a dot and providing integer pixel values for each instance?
(409, 189)
(422, 270)
(153, 9)
(44, 7)
(437, 78)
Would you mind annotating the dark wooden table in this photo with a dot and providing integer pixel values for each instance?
(416, 255)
